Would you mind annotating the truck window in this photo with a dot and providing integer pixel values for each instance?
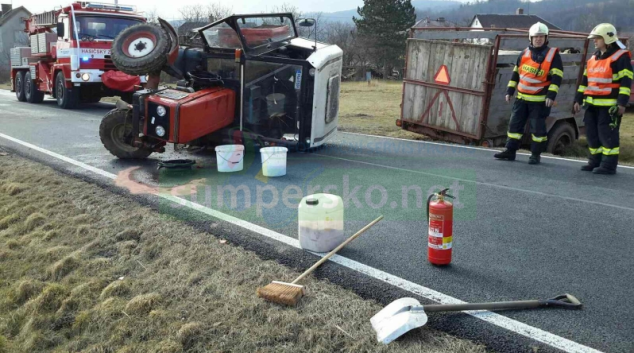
(102, 28)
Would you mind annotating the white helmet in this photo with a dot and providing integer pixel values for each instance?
(538, 29)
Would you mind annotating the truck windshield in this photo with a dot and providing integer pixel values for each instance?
(95, 27)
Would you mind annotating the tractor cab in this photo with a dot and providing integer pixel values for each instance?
(288, 86)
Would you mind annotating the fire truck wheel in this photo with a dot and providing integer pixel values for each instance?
(141, 49)
(66, 98)
(19, 86)
(112, 130)
(31, 93)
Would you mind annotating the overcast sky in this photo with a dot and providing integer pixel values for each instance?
(168, 9)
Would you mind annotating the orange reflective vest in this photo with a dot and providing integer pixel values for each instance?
(600, 75)
(533, 75)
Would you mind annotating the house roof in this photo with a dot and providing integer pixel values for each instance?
(426, 22)
(511, 21)
(6, 16)
(189, 26)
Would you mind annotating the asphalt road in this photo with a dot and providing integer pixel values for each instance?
(520, 231)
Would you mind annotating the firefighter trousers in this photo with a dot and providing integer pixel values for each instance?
(536, 112)
(603, 140)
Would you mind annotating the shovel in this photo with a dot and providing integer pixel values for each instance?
(405, 314)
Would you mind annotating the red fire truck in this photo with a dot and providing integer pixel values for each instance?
(69, 56)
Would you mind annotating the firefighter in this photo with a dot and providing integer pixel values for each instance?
(604, 93)
(536, 76)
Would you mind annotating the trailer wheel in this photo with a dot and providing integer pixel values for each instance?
(141, 49)
(19, 86)
(112, 130)
(560, 137)
(31, 93)
(66, 98)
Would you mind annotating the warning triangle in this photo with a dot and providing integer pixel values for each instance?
(442, 76)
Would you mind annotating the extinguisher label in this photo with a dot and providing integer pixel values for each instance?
(440, 243)
(436, 225)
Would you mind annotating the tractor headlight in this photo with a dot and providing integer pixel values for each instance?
(311, 72)
(85, 77)
(160, 131)
(160, 110)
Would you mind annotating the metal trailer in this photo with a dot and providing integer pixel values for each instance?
(455, 84)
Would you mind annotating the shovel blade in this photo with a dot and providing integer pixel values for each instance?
(394, 327)
(392, 309)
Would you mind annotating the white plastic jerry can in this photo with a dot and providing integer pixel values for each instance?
(320, 222)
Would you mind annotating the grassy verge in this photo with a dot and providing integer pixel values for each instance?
(5, 85)
(372, 109)
(84, 270)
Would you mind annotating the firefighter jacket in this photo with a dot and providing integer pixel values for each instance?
(537, 74)
(607, 79)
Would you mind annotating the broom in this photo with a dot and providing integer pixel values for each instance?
(291, 293)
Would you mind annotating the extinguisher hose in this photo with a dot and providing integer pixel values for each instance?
(428, 202)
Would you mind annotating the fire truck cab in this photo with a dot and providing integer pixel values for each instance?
(69, 57)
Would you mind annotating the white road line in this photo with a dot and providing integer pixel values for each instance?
(469, 147)
(496, 319)
(481, 183)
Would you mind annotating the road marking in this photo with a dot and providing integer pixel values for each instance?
(509, 324)
(481, 183)
(470, 147)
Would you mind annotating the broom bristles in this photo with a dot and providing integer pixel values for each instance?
(281, 293)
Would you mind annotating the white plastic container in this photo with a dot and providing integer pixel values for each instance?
(320, 222)
(273, 161)
(230, 158)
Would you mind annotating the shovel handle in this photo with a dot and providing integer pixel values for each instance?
(563, 301)
(334, 251)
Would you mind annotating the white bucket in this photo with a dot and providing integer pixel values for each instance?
(230, 158)
(273, 161)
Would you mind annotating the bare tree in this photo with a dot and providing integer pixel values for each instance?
(204, 13)
(152, 15)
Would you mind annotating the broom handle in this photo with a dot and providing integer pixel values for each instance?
(325, 258)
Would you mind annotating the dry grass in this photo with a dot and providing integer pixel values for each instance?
(133, 280)
(4, 85)
(373, 109)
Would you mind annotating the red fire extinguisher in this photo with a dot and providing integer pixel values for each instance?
(440, 233)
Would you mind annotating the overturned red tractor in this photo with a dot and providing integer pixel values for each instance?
(251, 77)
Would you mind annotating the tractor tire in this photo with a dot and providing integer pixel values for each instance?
(111, 132)
(31, 93)
(141, 49)
(66, 98)
(561, 136)
(19, 86)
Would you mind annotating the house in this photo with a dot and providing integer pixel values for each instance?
(518, 20)
(12, 30)
(439, 22)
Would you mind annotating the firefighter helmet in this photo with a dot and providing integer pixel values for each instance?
(538, 29)
(605, 31)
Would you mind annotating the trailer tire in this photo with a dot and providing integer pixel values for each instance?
(561, 136)
(141, 49)
(111, 132)
(31, 93)
(66, 98)
(19, 86)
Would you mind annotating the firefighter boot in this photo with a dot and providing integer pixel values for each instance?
(593, 162)
(507, 154)
(535, 158)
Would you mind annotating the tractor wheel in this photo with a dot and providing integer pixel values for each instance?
(31, 93)
(112, 130)
(66, 98)
(560, 137)
(141, 49)
(19, 86)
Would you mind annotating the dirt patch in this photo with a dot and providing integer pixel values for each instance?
(135, 280)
